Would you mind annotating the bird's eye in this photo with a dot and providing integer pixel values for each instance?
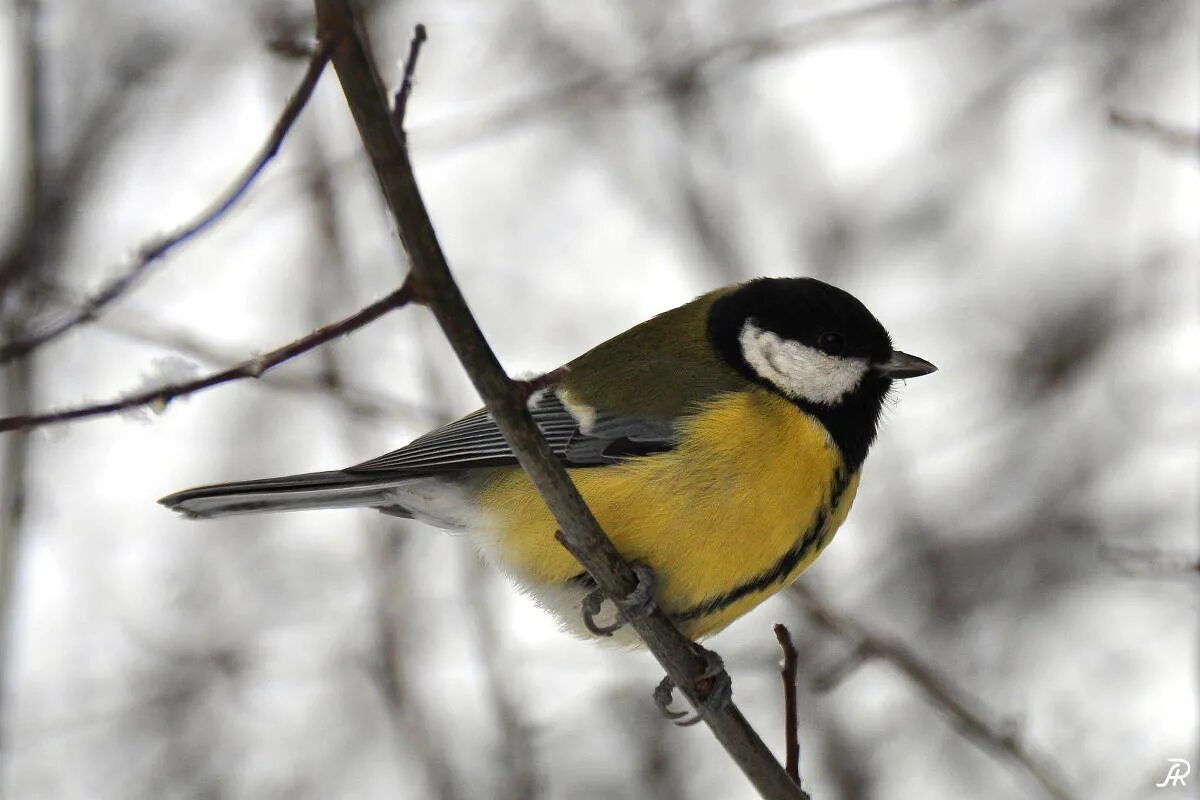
(832, 343)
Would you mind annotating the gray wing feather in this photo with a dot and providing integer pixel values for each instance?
(475, 441)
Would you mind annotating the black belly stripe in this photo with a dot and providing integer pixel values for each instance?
(815, 536)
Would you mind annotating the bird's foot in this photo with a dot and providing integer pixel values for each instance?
(636, 605)
(713, 687)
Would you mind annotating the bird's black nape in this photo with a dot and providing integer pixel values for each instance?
(823, 317)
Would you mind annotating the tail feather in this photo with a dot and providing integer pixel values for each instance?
(334, 489)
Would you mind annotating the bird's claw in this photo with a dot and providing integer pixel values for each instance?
(636, 605)
(664, 695)
(712, 686)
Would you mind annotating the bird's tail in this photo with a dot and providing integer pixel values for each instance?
(335, 489)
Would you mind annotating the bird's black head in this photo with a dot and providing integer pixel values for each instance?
(819, 347)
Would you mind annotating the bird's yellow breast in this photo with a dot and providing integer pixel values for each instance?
(751, 494)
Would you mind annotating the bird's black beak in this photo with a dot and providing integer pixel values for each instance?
(902, 365)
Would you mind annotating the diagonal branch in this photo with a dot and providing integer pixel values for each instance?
(384, 144)
(357, 399)
(158, 397)
(153, 251)
(938, 690)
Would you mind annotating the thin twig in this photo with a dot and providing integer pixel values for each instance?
(939, 691)
(368, 101)
(156, 249)
(360, 400)
(787, 671)
(400, 105)
(159, 397)
(357, 399)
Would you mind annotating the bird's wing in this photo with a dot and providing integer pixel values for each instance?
(475, 441)
(668, 359)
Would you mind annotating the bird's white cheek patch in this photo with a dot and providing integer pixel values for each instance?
(798, 370)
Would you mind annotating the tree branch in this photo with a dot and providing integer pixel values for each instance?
(384, 144)
(791, 721)
(360, 400)
(400, 104)
(151, 252)
(357, 399)
(159, 397)
(937, 689)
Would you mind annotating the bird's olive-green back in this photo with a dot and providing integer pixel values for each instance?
(657, 368)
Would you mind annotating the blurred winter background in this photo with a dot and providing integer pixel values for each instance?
(1011, 186)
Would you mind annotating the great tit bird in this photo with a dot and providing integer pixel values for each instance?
(719, 444)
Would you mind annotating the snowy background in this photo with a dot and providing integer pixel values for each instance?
(1024, 520)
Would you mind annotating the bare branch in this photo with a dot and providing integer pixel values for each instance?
(962, 709)
(159, 397)
(359, 400)
(368, 101)
(153, 251)
(400, 106)
(787, 671)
